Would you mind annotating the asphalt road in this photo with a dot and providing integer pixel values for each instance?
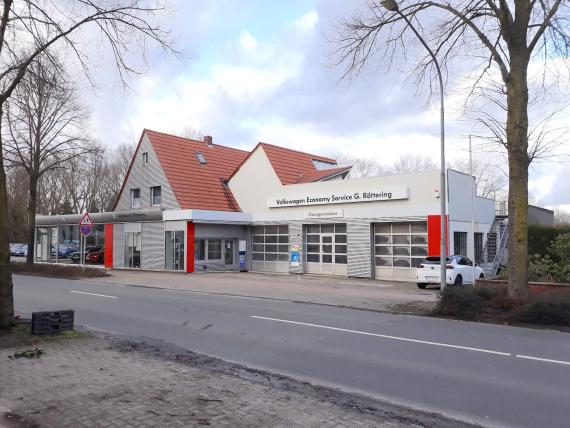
(488, 374)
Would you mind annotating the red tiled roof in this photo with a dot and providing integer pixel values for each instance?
(197, 186)
(291, 165)
(321, 175)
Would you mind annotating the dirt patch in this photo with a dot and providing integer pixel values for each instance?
(57, 271)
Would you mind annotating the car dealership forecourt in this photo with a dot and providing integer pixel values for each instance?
(195, 206)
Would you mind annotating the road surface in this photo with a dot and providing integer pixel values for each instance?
(487, 374)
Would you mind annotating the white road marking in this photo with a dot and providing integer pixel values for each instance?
(94, 294)
(546, 360)
(385, 336)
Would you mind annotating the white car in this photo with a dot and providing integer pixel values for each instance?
(459, 270)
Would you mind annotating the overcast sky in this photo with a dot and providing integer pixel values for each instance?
(253, 70)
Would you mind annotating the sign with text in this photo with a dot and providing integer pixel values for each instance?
(346, 197)
(332, 213)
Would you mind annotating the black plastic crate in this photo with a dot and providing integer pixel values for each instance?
(52, 322)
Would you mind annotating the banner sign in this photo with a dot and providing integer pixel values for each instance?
(365, 195)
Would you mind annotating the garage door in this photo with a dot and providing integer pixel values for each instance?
(326, 249)
(399, 248)
(270, 248)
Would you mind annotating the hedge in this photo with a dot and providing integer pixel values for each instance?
(540, 237)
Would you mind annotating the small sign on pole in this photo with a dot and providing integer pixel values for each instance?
(86, 220)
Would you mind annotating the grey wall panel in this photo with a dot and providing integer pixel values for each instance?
(221, 231)
(118, 245)
(144, 177)
(359, 248)
(152, 246)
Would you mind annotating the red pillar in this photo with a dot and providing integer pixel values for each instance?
(434, 234)
(190, 236)
(108, 257)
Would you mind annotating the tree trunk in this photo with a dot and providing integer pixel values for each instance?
(517, 144)
(32, 207)
(6, 286)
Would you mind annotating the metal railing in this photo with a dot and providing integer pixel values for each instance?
(495, 247)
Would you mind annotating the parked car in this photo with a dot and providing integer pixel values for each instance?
(459, 270)
(76, 256)
(64, 251)
(21, 250)
(14, 247)
(97, 257)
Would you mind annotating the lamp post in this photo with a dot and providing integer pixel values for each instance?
(392, 6)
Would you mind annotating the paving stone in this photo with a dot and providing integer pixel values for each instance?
(84, 383)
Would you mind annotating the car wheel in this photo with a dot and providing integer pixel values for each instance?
(482, 276)
(458, 281)
(422, 286)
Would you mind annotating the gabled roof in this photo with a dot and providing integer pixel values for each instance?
(291, 165)
(196, 185)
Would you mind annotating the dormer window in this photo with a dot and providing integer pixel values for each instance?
(201, 158)
(145, 158)
(321, 165)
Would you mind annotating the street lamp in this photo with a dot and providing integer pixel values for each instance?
(392, 6)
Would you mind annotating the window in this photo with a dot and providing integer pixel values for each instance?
(460, 243)
(200, 249)
(201, 158)
(145, 158)
(135, 198)
(155, 195)
(214, 249)
(478, 247)
(402, 245)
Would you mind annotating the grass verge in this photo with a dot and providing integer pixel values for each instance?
(494, 305)
(21, 336)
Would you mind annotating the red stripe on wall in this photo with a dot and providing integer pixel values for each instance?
(190, 236)
(108, 257)
(434, 234)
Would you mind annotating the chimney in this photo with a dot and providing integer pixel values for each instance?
(208, 140)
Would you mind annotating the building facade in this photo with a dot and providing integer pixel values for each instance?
(194, 206)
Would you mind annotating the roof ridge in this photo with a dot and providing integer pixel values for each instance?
(193, 140)
(299, 151)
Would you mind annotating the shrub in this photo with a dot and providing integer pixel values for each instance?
(462, 302)
(559, 248)
(548, 309)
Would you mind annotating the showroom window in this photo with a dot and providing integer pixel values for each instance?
(478, 247)
(135, 198)
(208, 249)
(200, 249)
(270, 243)
(402, 245)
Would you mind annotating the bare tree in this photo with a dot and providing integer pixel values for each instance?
(409, 163)
(46, 129)
(17, 203)
(499, 39)
(29, 28)
(490, 179)
(361, 167)
(561, 217)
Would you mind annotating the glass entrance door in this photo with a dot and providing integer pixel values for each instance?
(229, 252)
(174, 250)
(133, 250)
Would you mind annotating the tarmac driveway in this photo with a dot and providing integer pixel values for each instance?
(346, 292)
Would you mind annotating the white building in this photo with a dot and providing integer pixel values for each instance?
(195, 206)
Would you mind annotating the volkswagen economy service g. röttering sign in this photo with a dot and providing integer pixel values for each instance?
(347, 197)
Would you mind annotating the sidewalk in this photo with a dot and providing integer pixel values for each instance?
(347, 292)
(86, 382)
